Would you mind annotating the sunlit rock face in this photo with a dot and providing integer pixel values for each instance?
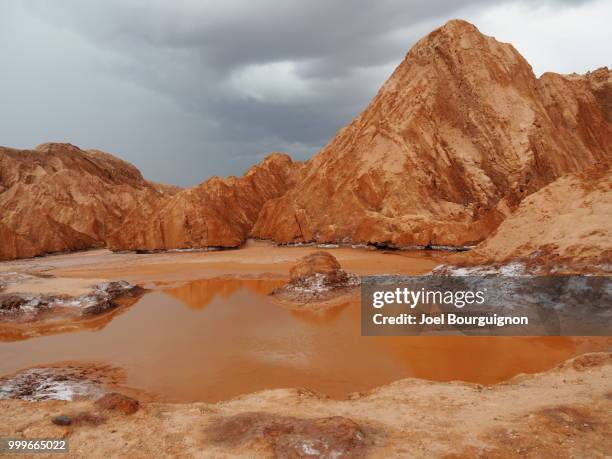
(459, 134)
(58, 198)
(217, 213)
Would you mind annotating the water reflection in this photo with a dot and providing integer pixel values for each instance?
(214, 339)
(321, 317)
(199, 294)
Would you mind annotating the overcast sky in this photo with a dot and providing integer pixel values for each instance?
(186, 89)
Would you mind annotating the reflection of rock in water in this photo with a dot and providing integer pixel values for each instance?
(199, 294)
(320, 316)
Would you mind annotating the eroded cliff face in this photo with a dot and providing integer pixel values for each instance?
(217, 213)
(565, 226)
(58, 197)
(600, 83)
(454, 140)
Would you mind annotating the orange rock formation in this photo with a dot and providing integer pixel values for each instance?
(319, 262)
(316, 279)
(216, 213)
(59, 197)
(458, 135)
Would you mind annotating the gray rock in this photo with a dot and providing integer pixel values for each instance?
(62, 420)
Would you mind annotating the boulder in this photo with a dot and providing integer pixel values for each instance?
(316, 278)
(289, 437)
(319, 263)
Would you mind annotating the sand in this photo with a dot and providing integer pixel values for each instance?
(259, 259)
(561, 413)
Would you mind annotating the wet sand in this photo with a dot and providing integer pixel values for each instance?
(257, 259)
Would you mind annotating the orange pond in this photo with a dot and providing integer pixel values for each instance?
(214, 339)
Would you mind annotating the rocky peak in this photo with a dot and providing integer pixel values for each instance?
(458, 135)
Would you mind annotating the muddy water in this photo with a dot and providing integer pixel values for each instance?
(214, 339)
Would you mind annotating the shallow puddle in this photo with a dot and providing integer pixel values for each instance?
(214, 339)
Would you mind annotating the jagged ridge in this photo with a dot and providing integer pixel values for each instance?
(216, 213)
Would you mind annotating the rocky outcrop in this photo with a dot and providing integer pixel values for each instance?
(460, 133)
(217, 213)
(27, 311)
(61, 198)
(317, 277)
(26, 307)
(321, 264)
(565, 226)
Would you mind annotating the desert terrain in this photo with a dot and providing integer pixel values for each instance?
(486, 402)
(564, 412)
(140, 319)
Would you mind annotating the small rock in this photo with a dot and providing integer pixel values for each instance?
(62, 420)
(105, 296)
(100, 307)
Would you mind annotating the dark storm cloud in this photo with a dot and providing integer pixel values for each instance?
(186, 89)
